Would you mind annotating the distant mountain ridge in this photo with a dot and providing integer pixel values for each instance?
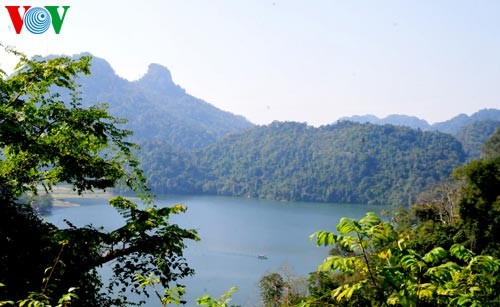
(451, 126)
(458, 122)
(158, 109)
(394, 119)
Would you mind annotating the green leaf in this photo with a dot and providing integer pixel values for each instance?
(483, 264)
(324, 238)
(369, 220)
(461, 252)
(348, 225)
(435, 255)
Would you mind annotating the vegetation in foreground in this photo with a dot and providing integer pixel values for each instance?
(45, 141)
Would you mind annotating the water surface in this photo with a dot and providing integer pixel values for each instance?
(234, 232)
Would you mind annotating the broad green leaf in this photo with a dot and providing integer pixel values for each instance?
(485, 264)
(435, 255)
(369, 220)
(324, 238)
(348, 225)
(460, 252)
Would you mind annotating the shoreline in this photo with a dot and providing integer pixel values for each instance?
(61, 193)
(62, 203)
(60, 196)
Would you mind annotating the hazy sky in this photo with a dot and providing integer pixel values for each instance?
(309, 61)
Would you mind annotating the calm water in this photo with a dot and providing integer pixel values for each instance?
(234, 231)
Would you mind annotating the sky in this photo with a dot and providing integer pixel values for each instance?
(308, 61)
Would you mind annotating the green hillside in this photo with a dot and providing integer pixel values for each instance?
(158, 109)
(346, 162)
(473, 136)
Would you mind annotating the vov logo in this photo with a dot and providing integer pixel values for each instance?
(37, 20)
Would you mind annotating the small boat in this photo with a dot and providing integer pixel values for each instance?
(262, 257)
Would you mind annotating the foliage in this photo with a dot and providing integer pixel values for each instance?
(222, 301)
(282, 289)
(480, 205)
(383, 269)
(169, 169)
(434, 220)
(271, 289)
(473, 136)
(47, 138)
(463, 209)
(170, 295)
(491, 148)
(36, 299)
(321, 284)
(346, 162)
(442, 200)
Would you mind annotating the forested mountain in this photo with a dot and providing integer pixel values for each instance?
(158, 109)
(189, 146)
(346, 162)
(473, 136)
(471, 130)
(458, 122)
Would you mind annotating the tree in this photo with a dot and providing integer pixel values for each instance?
(480, 204)
(442, 200)
(272, 287)
(48, 138)
(380, 267)
(491, 148)
(222, 301)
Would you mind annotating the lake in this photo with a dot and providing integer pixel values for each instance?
(234, 232)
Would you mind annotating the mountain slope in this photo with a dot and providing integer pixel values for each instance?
(346, 162)
(471, 130)
(458, 122)
(473, 136)
(158, 109)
